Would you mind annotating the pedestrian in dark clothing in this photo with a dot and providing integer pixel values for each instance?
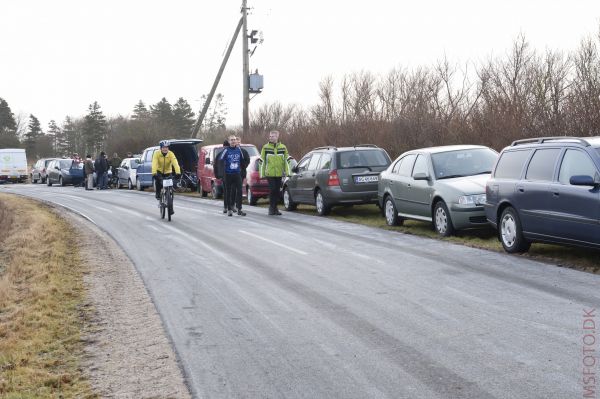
(218, 168)
(234, 159)
(101, 165)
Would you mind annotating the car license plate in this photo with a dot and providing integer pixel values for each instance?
(366, 179)
(168, 183)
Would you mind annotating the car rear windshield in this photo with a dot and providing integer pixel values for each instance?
(461, 163)
(598, 149)
(362, 158)
(252, 151)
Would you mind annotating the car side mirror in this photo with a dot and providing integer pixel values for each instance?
(57, 167)
(582, 180)
(207, 161)
(295, 169)
(421, 176)
(125, 167)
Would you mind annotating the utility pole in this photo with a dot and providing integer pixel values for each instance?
(196, 129)
(246, 71)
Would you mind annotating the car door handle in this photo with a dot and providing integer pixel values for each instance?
(391, 182)
(408, 185)
(521, 189)
(555, 194)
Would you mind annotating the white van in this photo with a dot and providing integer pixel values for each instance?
(13, 165)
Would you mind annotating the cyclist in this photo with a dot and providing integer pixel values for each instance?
(163, 163)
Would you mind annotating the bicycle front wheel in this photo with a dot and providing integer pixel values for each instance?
(163, 206)
(170, 203)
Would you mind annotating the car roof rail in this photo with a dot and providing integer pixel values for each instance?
(366, 145)
(540, 140)
(327, 147)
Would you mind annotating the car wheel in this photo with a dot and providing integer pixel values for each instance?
(61, 181)
(138, 185)
(129, 184)
(48, 181)
(322, 207)
(391, 213)
(42, 180)
(252, 200)
(442, 222)
(288, 204)
(511, 233)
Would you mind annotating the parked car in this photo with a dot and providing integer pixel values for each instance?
(546, 190)
(38, 170)
(256, 187)
(126, 172)
(443, 185)
(64, 172)
(207, 181)
(330, 176)
(13, 165)
(185, 152)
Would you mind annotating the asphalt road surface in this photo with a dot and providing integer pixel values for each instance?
(306, 307)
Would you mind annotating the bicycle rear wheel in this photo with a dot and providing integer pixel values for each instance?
(162, 205)
(170, 203)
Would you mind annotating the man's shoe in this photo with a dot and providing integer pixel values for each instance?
(241, 213)
(276, 212)
(229, 213)
(225, 210)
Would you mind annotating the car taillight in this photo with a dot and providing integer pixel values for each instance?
(334, 179)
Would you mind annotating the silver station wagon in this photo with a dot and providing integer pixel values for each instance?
(442, 185)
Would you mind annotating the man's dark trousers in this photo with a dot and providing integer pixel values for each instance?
(274, 192)
(233, 190)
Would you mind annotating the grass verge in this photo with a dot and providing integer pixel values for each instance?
(41, 297)
(369, 215)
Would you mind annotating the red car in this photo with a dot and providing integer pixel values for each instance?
(255, 186)
(207, 182)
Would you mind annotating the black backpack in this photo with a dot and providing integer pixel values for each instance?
(219, 165)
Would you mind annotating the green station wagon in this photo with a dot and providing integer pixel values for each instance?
(442, 185)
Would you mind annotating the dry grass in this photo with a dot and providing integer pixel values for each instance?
(41, 294)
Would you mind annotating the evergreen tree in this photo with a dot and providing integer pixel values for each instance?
(94, 129)
(140, 112)
(55, 136)
(162, 113)
(183, 119)
(71, 138)
(8, 126)
(34, 132)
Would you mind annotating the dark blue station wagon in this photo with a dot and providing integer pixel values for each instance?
(546, 190)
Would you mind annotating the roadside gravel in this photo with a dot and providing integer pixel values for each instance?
(127, 352)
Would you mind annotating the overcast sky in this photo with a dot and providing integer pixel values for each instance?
(59, 56)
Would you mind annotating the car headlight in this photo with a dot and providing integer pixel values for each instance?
(477, 199)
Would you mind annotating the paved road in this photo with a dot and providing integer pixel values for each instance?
(306, 307)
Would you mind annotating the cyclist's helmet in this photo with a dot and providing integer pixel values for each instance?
(164, 143)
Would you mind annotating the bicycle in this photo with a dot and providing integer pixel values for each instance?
(188, 181)
(166, 196)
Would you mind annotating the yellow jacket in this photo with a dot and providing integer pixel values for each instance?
(164, 163)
